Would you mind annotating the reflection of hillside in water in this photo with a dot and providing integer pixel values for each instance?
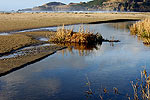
(79, 49)
(121, 25)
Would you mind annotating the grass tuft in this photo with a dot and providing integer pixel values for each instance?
(82, 37)
(142, 29)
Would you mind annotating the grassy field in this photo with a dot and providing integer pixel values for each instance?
(21, 21)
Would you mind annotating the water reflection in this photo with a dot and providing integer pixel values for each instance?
(83, 49)
(62, 76)
(121, 25)
(28, 87)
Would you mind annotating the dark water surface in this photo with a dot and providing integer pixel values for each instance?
(63, 76)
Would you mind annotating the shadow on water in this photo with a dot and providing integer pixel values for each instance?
(114, 21)
(122, 26)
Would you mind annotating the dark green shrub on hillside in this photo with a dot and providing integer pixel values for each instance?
(93, 3)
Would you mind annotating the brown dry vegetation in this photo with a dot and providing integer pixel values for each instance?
(142, 30)
(13, 42)
(20, 21)
(142, 87)
(82, 37)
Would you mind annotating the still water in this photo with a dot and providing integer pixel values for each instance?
(63, 76)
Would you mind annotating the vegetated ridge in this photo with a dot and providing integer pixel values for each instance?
(95, 5)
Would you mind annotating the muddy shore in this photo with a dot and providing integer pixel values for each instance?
(9, 65)
(21, 49)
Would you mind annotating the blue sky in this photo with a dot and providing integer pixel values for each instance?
(7, 5)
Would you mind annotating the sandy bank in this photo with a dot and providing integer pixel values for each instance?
(9, 43)
(25, 43)
(9, 65)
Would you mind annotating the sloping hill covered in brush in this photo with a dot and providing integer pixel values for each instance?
(126, 5)
(57, 6)
(96, 5)
(119, 5)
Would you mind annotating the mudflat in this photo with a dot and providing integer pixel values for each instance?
(32, 55)
(20, 49)
(13, 42)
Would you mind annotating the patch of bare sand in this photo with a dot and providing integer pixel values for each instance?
(13, 42)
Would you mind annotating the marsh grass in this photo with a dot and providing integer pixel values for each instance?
(142, 29)
(141, 89)
(81, 37)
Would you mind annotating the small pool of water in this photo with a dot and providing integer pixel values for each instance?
(63, 76)
(30, 30)
(43, 39)
(4, 34)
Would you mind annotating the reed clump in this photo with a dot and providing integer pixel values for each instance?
(82, 37)
(142, 87)
(142, 29)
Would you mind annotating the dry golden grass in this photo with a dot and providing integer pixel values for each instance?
(13, 42)
(142, 29)
(20, 21)
(142, 87)
(82, 37)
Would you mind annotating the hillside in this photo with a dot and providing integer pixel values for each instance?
(126, 5)
(119, 5)
(98, 5)
(57, 6)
